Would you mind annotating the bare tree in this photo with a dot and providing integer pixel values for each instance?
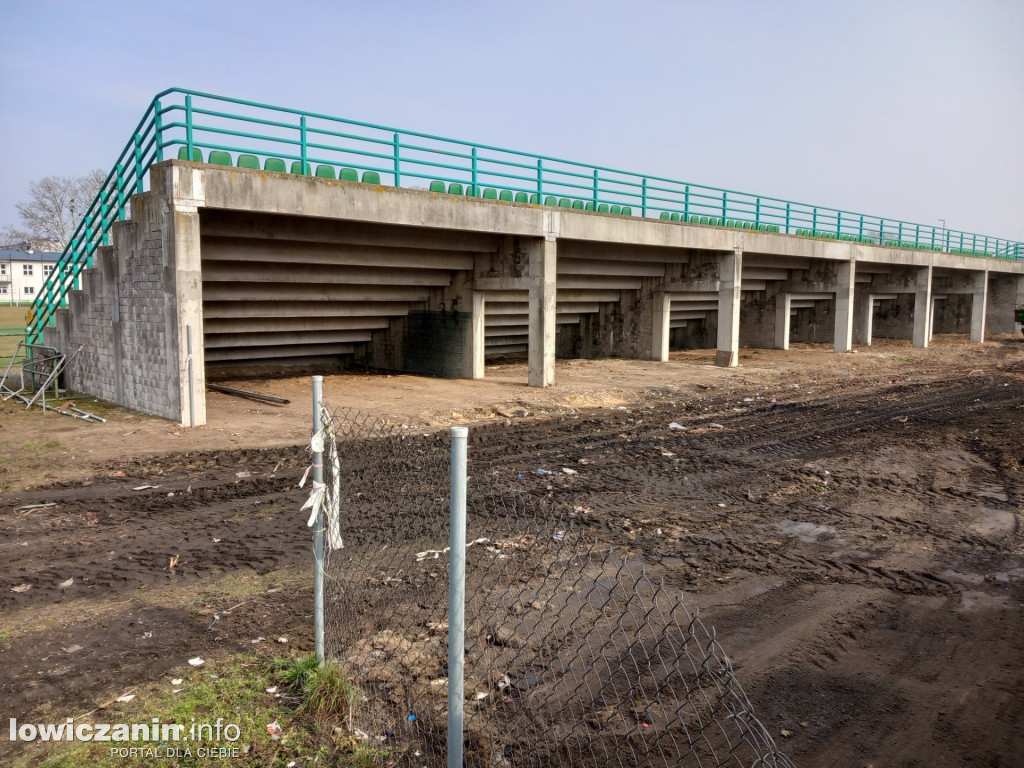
(55, 206)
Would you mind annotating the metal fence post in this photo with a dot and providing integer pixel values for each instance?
(457, 597)
(318, 530)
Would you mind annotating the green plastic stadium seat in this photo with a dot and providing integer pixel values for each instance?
(577, 204)
(506, 196)
(702, 219)
(371, 177)
(534, 199)
(602, 208)
(550, 200)
(348, 174)
(197, 154)
(297, 167)
(522, 197)
(590, 206)
(472, 191)
(325, 171)
(732, 223)
(564, 202)
(275, 164)
(490, 194)
(249, 161)
(220, 157)
(674, 217)
(627, 211)
(616, 209)
(455, 188)
(749, 225)
(437, 186)
(665, 215)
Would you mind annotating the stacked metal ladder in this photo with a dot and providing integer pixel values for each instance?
(44, 369)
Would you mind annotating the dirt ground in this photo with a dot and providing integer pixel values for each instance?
(850, 525)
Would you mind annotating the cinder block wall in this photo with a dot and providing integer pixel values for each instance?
(124, 318)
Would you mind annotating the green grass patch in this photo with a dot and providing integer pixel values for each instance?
(303, 718)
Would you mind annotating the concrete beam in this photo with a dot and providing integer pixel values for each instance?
(845, 275)
(607, 268)
(250, 249)
(730, 275)
(281, 338)
(231, 272)
(242, 292)
(276, 352)
(298, 309)
(277, 324)
(543, 266)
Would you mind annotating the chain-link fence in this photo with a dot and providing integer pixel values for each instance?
(573, 656)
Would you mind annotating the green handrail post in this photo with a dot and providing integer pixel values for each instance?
(158, 122)
(917, 235)
(138, 163)
(725, 207)
(814, 221)
(933, 238)
(643, 198)
(597, 188)
(686, 202)
(120, 192)
(88, 242)
(899, 235)
(302, 144)
(476, 191)
(188, 125)
(104, 229)
(986, 244)
(787, 217)
(860, 229)
(398, 161)
(757, 212)
(839, 223)
(974, 243)
(540, 180)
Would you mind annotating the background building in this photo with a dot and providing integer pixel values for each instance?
(22, 274)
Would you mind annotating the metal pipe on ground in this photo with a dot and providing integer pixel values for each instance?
(272, 399)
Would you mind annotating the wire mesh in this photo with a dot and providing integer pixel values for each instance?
(574, 656)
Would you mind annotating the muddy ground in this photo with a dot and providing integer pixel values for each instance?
(850, 525)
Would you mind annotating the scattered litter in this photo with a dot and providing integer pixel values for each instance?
(714, 425)
(363, 735)
(748, 399)
(786, 733)
(677, 425)
(568, 471)
(659, 532)
(147, 635)
(72, 649)
(119, 473)
(542, 471)
(177, 690)
(481, 695)
(243, 474)
(291, 764)
(274, 729)
(411, 718)
(521, 414)
(21, 588)
(144, 487)
(215, 677)
(721, 505)
(126, 698)
(560, 536)
(257, 640)
(66, 584)
(196, 662)
(36, 506)
(170, 494)
(584, 461)
(272, 689)
(667, 454)
(176, 681)
(217, 541)
(282, 639)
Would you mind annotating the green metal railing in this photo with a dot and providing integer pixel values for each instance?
(191, 124)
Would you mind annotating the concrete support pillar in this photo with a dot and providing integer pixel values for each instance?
(922, 307)
(845, 282)
(541, 355)
(979, 302)
(730, 277)
(662, 322)
(783, 308)
(477, 338)
(863, 314)
(186, 198)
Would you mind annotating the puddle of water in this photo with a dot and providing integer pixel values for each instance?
(993, 521)
(806, 532)
(982, 601)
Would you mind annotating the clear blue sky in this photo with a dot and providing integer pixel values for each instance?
(905, 109)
